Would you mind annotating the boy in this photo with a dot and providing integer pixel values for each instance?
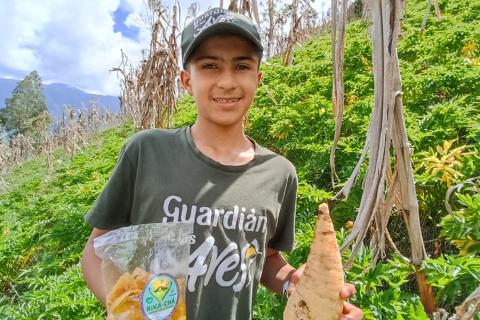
(239, 195)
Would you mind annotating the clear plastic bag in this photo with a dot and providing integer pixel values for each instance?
(144, 269)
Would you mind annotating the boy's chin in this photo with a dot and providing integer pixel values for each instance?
(226, 122)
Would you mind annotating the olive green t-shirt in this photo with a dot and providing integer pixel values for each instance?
(237, 211)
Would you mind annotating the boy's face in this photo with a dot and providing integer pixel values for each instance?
(222, 76)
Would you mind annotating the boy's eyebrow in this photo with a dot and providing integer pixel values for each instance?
(207, 57)
(216, 58)
(250, 58)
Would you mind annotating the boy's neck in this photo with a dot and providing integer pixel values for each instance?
(226, 145)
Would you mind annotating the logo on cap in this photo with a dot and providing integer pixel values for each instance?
(211, 17)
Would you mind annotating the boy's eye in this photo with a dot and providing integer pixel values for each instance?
(243, 67)
(209, 66)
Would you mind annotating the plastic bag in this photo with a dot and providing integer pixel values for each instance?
(144, 269)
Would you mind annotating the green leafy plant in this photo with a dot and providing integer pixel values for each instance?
(463, 228)
(292, 115)
(453, 278)
(382, 291)
(445, 162)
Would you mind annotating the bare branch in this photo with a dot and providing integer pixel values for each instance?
(338, 47)
(427, 13)
(452, 190)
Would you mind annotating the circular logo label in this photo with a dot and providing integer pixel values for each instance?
(159, 297)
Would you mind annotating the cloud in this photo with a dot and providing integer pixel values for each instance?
(72, 42)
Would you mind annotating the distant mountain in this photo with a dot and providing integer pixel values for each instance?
(6, 88)
(58, 95)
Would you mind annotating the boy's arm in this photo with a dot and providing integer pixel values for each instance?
(92, 266)
(276, 271)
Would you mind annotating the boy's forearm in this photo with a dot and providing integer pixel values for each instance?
(92, 270)
(276, 271)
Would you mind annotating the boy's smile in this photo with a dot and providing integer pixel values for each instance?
(222, 76)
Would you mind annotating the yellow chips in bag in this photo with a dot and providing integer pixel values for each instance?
(124, 299)
(158, 255)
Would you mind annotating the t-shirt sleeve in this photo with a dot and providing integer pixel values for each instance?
(284, 236)
(111, 210)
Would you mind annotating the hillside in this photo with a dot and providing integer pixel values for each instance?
(41, 217)
(59, 95)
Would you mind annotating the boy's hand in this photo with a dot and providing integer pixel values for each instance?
(349, 312)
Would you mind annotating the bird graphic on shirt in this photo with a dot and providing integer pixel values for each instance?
(251, 252)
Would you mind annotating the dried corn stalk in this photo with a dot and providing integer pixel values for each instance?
(427, 13)
(466, 311)
(438, 13)
(271, 27)
(233, 6)
(302, 24)
(292, 37)
(150, 92)
(246, 7)
(338, 46)
(280, 41)
(71, 134)
(385, 188)
(130, 106)
(470, 307)
(157, 80)
(274, 35)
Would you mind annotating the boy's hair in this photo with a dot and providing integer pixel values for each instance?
(218, 21)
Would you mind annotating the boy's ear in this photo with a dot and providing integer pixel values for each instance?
(259, 77)
(185, 80)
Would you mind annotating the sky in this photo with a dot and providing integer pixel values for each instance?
(77, 42)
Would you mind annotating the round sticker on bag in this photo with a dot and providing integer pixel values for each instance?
(160, 297)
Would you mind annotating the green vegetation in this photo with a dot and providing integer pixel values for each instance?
(26, 111)
(41, 218)
(43, 232)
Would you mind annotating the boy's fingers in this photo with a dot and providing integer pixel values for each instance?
(347, 291)
(295, 278)
(297, 275)
(350, 312)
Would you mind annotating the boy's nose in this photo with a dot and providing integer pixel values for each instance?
(227, 80)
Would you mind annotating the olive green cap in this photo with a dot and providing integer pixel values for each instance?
(214, 21)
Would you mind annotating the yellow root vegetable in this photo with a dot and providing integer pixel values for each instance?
(317, 295)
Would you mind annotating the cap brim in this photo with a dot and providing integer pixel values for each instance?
(216, 29)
